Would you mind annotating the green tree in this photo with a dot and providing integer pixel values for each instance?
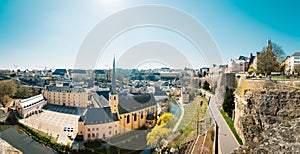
(278, 52)
(250, 70)
(157, 134)
(228, 104)
(7, 90)
(200, 83)
(269, 59)
(164, 118)
(206, 86)
(161, 130)
(23, 92)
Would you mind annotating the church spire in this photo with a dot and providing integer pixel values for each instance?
(269, 46)
(113, 79)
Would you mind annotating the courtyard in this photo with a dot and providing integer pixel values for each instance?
(53, 123)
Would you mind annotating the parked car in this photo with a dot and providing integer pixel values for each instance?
(68, 129)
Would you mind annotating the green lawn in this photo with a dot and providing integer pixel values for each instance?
(231, 126)
(188, 124)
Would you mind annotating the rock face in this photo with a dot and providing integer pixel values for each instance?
(225, 80)
(268, 119)
(7, 148)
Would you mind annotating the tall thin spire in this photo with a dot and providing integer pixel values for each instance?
(113, 79)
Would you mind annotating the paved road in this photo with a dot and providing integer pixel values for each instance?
(227, 140)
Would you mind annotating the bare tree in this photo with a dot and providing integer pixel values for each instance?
(270, 58)
(278, 52)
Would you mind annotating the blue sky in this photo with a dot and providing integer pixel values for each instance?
(35, 34)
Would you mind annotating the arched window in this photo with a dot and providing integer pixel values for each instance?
(134, 117)
(128, 119)
(142, 115)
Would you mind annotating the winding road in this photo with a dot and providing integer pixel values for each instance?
(227, 141)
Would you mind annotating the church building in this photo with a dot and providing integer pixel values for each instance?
(123, 114)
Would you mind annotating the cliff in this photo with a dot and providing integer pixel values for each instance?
(267, 118)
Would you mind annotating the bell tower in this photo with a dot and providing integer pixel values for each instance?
(113, 96)
(269, 46)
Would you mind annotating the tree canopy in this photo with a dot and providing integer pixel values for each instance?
(163, 119)
(278, 52)
(228, 104)
(161, 130)
(206, 86)
(7, 90)
(270, 58)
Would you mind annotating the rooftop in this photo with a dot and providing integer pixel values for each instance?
(98, 116)
(137, 102)
(64, 89)
(296, 54)
(60, 72)
(99, 72)
(31, 100)
(78, 71)
(100, 100)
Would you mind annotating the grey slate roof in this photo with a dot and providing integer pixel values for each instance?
(159, 92)
(100, 100)
(296, 54)
(134, 103)
(64, 89)
(150, 116)
(60, 72)
(99, 72)
(94, 116)
(78, 71)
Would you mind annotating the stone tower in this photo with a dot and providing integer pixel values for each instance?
(113, 96)
(269, 46)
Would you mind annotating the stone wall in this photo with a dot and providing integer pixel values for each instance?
(267, 118)
(225, 80)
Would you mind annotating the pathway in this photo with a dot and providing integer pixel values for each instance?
(180, 104)
(228, 142)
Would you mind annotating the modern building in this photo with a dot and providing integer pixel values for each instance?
(66, 96)
(292, 63)
(30, 106)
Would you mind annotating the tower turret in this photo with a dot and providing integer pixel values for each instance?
(113, 96)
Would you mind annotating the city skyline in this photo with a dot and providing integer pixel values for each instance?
(35, 35)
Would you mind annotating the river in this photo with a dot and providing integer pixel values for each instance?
(23, 142)
(174, 109)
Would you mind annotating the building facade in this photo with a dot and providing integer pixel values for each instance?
(98, 123)
(30, 106)
(124, 113)
(66, 96)
(118, 115)
(292, 63)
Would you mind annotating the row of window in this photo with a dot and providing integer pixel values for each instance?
(27, 106)
(135, 115)
(93, 129)
(97, 134)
